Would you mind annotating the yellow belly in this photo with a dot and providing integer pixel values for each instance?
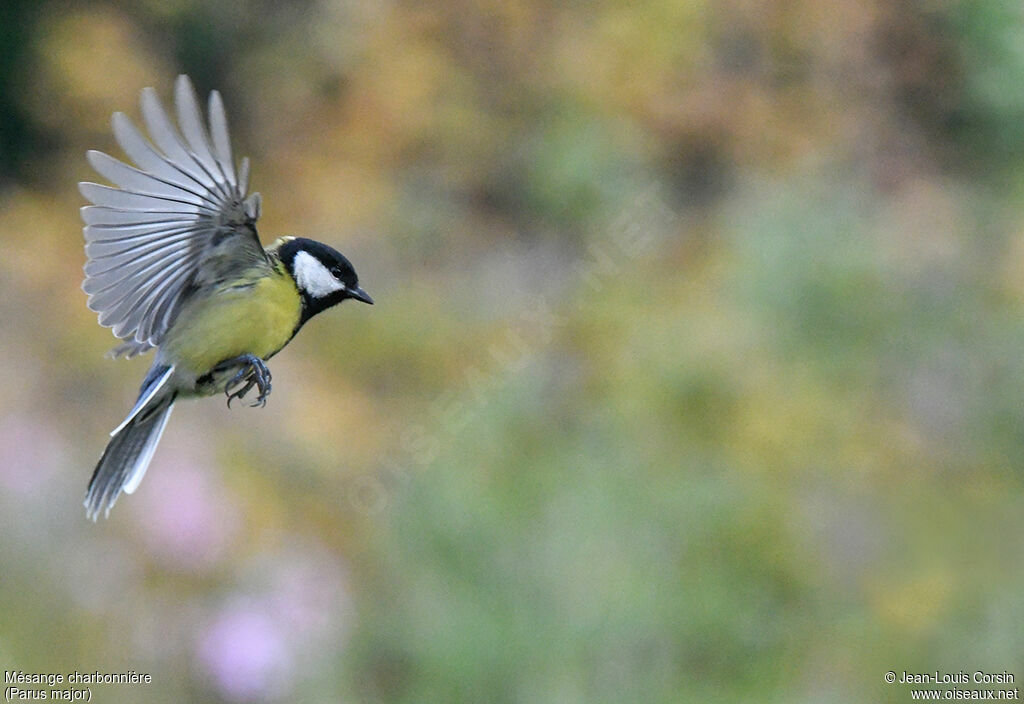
(257, 320)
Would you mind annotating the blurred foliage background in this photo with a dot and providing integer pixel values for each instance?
(695, 372)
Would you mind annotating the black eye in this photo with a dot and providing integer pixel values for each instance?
(336, 272)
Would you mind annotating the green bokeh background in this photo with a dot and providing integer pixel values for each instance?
(695, 372)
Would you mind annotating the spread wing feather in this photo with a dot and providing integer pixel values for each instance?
(131, 179)
(152, 236)
(221, 141)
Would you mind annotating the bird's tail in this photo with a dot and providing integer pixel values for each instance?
(127, 456)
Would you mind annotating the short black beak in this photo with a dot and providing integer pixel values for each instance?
(360, 295)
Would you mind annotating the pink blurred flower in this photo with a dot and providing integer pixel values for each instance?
(297, 609)
(244, 651)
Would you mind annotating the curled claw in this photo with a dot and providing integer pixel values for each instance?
(253, 373)
(241, 392)
(263, 384)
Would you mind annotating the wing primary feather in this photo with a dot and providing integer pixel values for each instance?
(131, 235)
(125, 302)
(122, 259)
(119, 268)
(119, 233)
(221, 138)
(102, 215)
(191, 120)
(166, 136)
(146, 157)
(104, 238)
(105, 249)
(137, 270)
(128, 304)
(243, 176)
(108, 285)
(132, 179)
(124, 199)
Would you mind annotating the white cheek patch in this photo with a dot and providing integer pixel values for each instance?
(313, 277)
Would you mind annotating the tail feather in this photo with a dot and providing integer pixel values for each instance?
(124, 462)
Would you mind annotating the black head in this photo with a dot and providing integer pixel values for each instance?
(323, 275)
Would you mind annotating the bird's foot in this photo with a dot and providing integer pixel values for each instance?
(254, 372)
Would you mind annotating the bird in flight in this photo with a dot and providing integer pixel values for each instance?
(174, 264)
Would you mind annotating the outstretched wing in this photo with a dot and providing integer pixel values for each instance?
(176, 221)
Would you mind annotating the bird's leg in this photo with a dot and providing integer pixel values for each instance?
(254, 372)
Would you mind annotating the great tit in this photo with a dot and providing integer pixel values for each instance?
(174, 264)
